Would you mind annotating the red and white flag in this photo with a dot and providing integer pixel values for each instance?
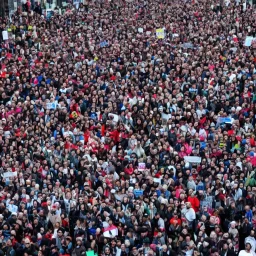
(110, 231)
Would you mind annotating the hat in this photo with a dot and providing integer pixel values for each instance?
(79, 239)
(233, 223)
(238, 109)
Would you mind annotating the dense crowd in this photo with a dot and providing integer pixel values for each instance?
(128, 128)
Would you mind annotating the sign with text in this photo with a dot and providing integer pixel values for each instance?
(160, 33)
(141, 166)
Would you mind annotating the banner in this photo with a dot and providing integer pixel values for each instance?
(193, 159)
(227, 120)
(7, 175)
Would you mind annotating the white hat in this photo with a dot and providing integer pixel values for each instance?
(238, 109)
(233, 223)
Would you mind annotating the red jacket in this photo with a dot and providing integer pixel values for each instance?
(128, 170)
(195, 203)
(173, 219)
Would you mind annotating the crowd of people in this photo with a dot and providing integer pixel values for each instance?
(128, 128)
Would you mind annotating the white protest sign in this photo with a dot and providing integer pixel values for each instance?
(140, 30)
(249, 40)
(157, 180)
(5, 35)
(51, 105)
(166, 116)
(193, 159)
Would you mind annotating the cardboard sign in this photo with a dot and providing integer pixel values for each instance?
(138, 192)
(141, 166)
(160, 33)
(5, 35)
(140, 30)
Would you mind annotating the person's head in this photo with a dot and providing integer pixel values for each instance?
(9, 242)
(225, 246)
(60, 232)
(233, 224)
(157, 216)
(188, 205)
(107, 250)
(248, 247)
(27, 242)
(54, 249)
(79, 241)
